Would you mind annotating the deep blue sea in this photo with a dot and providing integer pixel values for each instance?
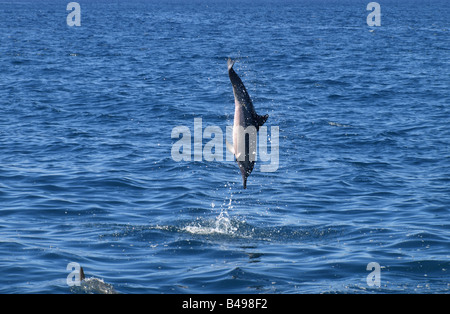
(87, 174)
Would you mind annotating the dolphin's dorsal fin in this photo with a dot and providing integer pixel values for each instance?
(82, 276)
(261, 119)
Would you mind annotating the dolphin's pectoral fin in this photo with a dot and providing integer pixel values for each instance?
(230, 147)
(261, 119)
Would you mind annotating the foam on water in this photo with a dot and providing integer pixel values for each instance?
(94, 285)
(222, 224)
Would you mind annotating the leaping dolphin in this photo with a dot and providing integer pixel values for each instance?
(246, 125)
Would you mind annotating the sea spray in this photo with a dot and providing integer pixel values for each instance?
(222, 224)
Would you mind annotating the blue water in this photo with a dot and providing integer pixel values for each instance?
(87, 176)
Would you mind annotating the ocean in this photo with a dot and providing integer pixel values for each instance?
(357, 199)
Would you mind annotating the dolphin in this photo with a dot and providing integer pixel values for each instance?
(93, 285)
(245, 120)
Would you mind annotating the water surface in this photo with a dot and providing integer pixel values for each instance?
(86, 173)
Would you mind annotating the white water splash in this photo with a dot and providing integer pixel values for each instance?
(94, 286)
(221, 225)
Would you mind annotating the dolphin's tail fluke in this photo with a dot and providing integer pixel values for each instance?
(230, 63)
